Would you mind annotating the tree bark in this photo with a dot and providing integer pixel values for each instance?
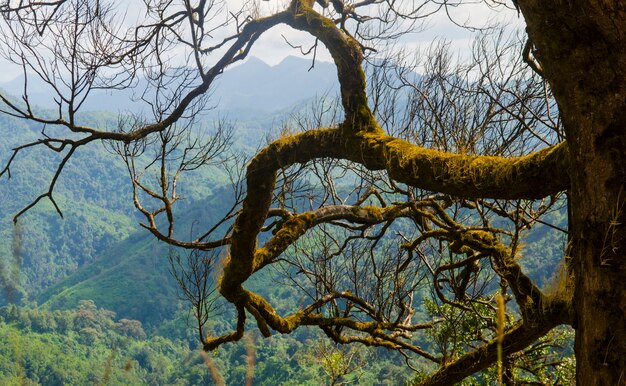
(582, 48)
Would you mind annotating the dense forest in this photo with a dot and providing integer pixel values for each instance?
(58, 270)
(89, 345)
(91, 288)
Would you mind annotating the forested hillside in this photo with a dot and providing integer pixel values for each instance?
(91, 345)
(90, 298)
(58, 271)
(94, 193)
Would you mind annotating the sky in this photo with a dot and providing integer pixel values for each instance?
(272, 48)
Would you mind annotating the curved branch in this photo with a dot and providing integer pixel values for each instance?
(297, 225)
(213, 343)
(533, 176)
(249, 33)
(347, 55)
(306, 317)
(53, 182)
(195, 244)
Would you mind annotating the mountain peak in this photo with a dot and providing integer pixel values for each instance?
(291, 60)
(253, 61)
(305, 63)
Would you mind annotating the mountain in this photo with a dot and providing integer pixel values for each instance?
(253, 86)
(132, 276)
(94, 192)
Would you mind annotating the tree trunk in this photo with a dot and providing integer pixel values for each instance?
(582, 48)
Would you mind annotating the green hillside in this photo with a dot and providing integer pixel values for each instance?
(43, 247)
(57, 269)
(94, 195)
(132, 276)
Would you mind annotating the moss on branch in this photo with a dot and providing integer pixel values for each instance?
(347, 55)
(359, 139)
(533, 176)
(515, 339)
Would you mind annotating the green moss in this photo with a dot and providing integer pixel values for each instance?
(289, 232)
(373, 212)
(466, 175)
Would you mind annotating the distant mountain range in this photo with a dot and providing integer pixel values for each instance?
(97, 251)
(253, 86)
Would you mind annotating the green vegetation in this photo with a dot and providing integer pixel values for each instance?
(88, 345)
(97, 255)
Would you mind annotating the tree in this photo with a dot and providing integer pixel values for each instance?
(575, 49)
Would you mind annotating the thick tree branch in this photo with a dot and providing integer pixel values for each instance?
(534, 176)
(297, 225)
(347, 55)
(493, 177)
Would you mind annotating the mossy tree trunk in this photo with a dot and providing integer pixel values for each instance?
(582, 49)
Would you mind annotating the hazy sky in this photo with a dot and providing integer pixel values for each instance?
(272, 48)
